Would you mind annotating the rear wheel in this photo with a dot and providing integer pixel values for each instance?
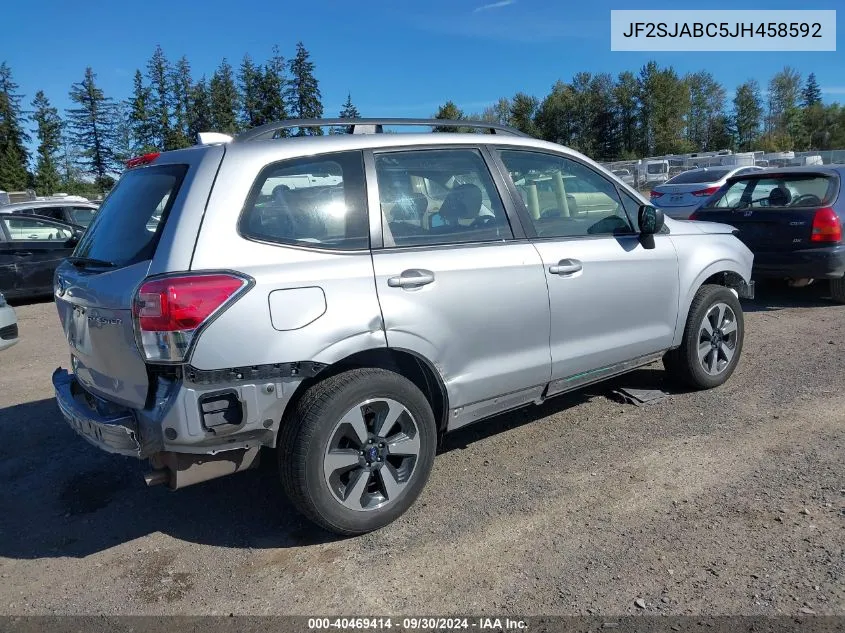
(712, 341)
(357, 450)
(837, 289)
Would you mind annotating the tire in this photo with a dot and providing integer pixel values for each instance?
(328, 423)
(717, 364)
(837, 289)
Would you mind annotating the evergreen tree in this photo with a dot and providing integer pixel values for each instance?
(748, 112)
(273, 86)
(556, 114)
(499, 112)
(199, 114)
(449, 112)
(48, 130)
(250, 80)
(140, 117)
(707, 100)
(92, 129)
(13, 136)
(303, 92)
(124, 139)
(223, 99)
(180, 103)
(347, 111)
(812, 94)
(158, 73)
(523, 107)
(626, 105)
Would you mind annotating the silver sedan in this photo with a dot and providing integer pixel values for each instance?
(678, 197)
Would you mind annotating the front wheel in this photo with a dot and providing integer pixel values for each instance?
(357, 450)
(712, 341)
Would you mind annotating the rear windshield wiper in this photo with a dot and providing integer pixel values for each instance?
(82, 262)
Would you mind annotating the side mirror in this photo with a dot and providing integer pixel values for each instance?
(650, 219)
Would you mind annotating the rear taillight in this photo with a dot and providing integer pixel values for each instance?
(705, 192)
(693, 216)
(146, 159)
(827, 226)
(655, 194)
(169, 311)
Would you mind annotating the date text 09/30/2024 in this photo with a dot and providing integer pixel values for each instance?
(417, 624)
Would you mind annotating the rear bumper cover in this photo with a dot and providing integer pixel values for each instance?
(826, 262)
(114, 432)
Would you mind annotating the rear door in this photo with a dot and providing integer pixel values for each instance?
(35, 247)
(7, 264)
(457, 281)
(132, 235)
(773, 213)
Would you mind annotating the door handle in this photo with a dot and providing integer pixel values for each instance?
(566, 267)
(412, 278)
(23, 254)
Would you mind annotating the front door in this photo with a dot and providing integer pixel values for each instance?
(455, 282)
(36, 247)
(613, 295)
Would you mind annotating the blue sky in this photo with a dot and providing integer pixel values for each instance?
(396, 58)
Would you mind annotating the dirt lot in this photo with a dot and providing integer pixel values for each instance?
(724, 502)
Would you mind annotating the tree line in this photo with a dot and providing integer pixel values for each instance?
(658, 112)
(83, 149)
(655, 111)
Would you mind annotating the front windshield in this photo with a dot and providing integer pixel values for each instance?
(789, 191)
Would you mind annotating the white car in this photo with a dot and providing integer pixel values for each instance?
(8, 324)
(679, 196)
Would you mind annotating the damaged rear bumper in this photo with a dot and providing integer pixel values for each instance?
(100, 423)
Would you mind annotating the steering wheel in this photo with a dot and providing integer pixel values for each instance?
(483, 220)
(815, 200)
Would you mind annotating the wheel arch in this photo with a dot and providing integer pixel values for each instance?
(409, 364)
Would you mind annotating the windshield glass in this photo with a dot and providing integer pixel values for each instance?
(787, 191)
(696, 176)
(127, 226)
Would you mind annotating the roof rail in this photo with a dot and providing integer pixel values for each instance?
(368, 126)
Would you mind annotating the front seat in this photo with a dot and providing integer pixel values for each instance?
(779, 197)
(462, 203)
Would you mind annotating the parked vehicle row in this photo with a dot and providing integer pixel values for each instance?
(424, 282)
(681, 195)
(8, 324)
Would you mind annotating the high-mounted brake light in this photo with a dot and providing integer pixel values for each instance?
(705, 192)
(827, 227)
(655, 194)
(169, 311)
(146, 159)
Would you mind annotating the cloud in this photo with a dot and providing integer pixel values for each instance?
(834, 90)
(493, 5)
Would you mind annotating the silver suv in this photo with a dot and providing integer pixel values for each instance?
(347, 299)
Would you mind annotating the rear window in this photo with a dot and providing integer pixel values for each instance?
(126, 228)
(82, 215)
(696, 176)
(780, 192)
(317, 202)
(657, 168)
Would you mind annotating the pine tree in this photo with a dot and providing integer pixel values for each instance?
(812, 94)
(303, 92)
(140, 117)
(13, 136)
(522, 111)
(199, 114)
(158, 73)
(223, 95)
(48, 130)
(124, 139)
(92, 129)
(250, 80)
(448, 112)
(347, 111)
(748, 112)
(273, 86)
(180, 100)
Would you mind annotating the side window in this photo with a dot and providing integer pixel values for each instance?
(318, 202)
(82, 215)
(565, 198)
(439, 196)
(29, 229)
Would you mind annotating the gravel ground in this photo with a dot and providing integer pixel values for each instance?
(730, 501)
